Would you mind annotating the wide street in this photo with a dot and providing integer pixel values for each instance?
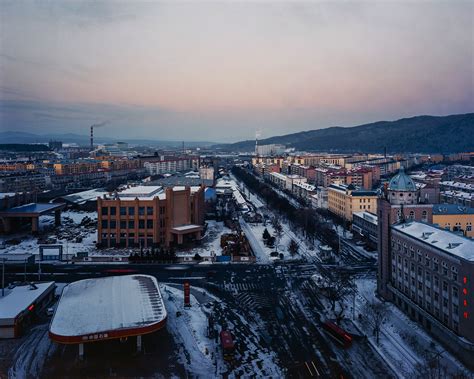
(276, 307)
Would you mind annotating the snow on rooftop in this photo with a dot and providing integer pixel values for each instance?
(183, 228)
(141, 191)
(19, 298)
(106, 304)
(444, 240)
(84, 196)
(5, 194)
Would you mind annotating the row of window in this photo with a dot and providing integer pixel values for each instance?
(444, 318)
(432, 264)
(130, 224)
(123, 211)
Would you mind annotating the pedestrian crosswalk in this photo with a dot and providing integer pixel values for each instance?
(238, 287)
(249, 295)
(251, 300)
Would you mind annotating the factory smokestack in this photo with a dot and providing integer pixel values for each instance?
(92, 132)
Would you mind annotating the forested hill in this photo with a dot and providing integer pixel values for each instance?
(427, 134)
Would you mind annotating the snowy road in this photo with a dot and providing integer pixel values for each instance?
(257, 247)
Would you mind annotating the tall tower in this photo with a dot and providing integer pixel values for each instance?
(398, 204)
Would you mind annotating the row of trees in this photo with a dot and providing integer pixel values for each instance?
(314, 223)
(153, 255)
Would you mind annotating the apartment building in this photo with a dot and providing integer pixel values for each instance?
(146, 216)
(431, 278)
(170, 165)
(76, 167)
(455, 218)
(344, 200)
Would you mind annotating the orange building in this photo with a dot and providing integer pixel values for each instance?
(146, 216)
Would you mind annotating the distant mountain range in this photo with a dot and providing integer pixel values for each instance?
(23, 137)
(427, 134)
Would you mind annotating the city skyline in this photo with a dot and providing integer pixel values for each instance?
(221, 71)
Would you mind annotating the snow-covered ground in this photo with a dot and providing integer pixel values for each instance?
(201, 356)
(70, 229)
(403, 343)
(211, 244)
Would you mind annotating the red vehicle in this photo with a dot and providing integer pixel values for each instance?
(337, 333)
(227, 344)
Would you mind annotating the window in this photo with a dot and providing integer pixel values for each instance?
(113, 224)
(131, 211)
(455, 292)
(455, 276)
(105, 211)
(123, 211)
(149, 211)
(424, 216)
(149, 224)
(113, 211)
(141, 211)
(123, 224)
(412, 215)
(141, 224)
(445, 286)
(131, 224)
(105, 224)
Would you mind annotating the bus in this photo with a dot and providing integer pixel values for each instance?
(338, 334)
(227, 344)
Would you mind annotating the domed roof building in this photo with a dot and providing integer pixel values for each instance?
(402, 189)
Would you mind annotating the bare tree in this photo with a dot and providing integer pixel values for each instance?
(277, 230)
(376, 312)
(336, 286)
(293, 247)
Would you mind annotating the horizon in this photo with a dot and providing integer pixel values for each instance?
(225, 71)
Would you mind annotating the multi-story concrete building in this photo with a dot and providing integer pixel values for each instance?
(272, 149)
(343, 200)
(462, 198)
(170, 165)
(149, 216)
(431, 278)
(424, 270)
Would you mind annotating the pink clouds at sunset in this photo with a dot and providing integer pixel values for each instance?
(286, 66)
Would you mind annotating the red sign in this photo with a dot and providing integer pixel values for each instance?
(187, 293)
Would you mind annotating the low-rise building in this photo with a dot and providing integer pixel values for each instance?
(365, 223)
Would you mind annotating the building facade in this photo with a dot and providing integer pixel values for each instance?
(344, 200)
(424, 270)
(147, 216)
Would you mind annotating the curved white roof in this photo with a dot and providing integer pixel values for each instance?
(104, 305)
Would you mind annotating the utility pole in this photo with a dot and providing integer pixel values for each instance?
(39, 268)
(24, 271)
(3, 277)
